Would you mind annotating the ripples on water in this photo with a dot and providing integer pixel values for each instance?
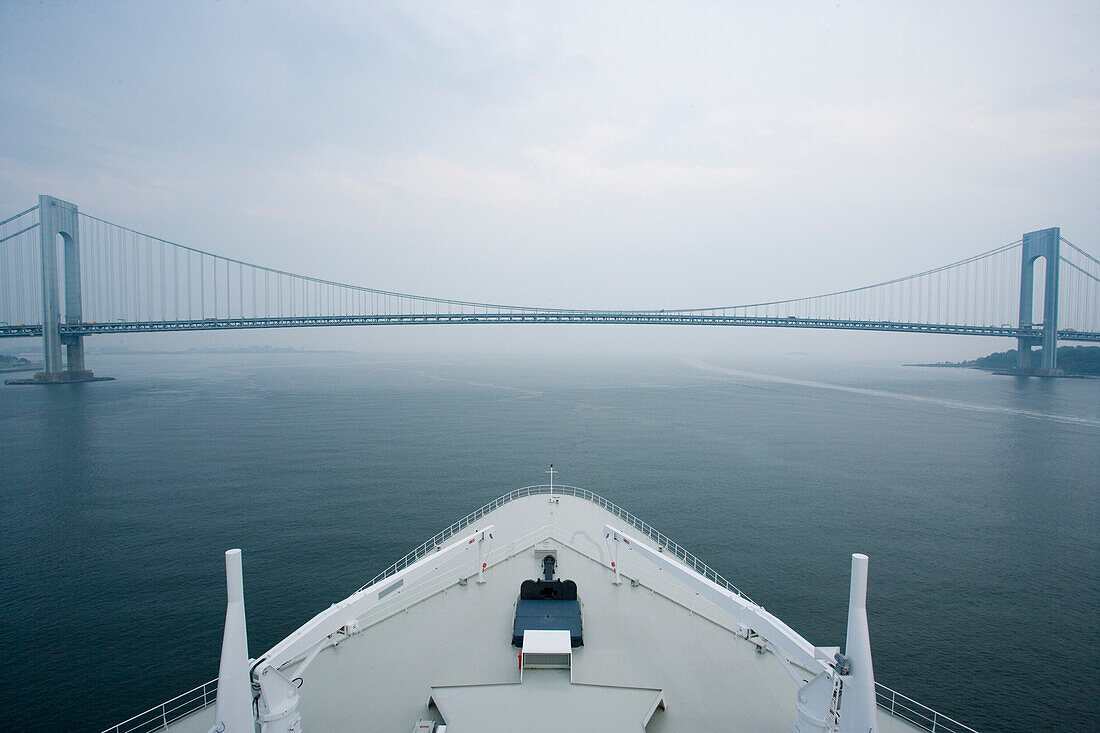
(976, 497)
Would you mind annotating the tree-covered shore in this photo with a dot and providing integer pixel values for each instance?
(17, 364)
(1071, 359)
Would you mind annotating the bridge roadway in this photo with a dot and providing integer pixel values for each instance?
(592, 317)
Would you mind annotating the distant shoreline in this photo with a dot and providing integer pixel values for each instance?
(994, 370)
(227, 350)
(10, 364)
(1074, 361)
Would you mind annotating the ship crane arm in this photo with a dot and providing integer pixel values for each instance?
(752, 619)
(819, 705)
(277, 704)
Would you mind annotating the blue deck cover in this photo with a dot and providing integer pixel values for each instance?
(547, 615)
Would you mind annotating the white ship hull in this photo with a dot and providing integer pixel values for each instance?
(668, 645)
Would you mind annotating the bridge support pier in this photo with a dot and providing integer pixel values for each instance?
(1042, 243)
(57, 217)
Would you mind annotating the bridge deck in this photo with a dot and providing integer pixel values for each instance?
(644, 318)
(547, 317)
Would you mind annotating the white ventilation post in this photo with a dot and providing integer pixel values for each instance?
(858, 709)
(233, 709)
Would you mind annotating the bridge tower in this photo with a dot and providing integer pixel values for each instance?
(57, 217)
(1042, 243)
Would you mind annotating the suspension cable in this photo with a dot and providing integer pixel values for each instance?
(476, 304)
(25, 229)
(320, 281)
(1081, 251)
(968, 260)
(13, 218)
(1084, 272)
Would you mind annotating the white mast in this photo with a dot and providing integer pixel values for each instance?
(858, 709)
(233, 709)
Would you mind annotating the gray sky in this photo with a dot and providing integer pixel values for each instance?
(584, 155)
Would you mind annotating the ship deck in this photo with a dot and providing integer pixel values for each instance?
(430, 642)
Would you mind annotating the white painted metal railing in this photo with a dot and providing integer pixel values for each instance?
(919, 715)
(663, 542)
(158, 718)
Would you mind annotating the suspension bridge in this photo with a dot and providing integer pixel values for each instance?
(65, 275)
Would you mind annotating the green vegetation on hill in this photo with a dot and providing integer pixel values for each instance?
(15, 363)
(1071, 360)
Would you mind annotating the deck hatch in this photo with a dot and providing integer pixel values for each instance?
(547, 650)
(548, 606)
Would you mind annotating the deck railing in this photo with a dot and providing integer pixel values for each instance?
(158, 718)
(898, 705)
(664, 544)
(919, 715)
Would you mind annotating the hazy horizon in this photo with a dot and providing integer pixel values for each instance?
(611, 155)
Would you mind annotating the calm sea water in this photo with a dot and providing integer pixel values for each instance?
(977, 498)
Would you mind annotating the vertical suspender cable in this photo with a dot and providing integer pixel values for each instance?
(12, 311)
(9, 292)
(989, 283)
(135, 276)
(6, 254)
(94, 228)
(163, 286)
(176, 283)
(117, 274)
(20, 311)
(971, 294)
(148, 289)
(120, 298)
(190, 289)
(125, 245)
(1079, 317)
